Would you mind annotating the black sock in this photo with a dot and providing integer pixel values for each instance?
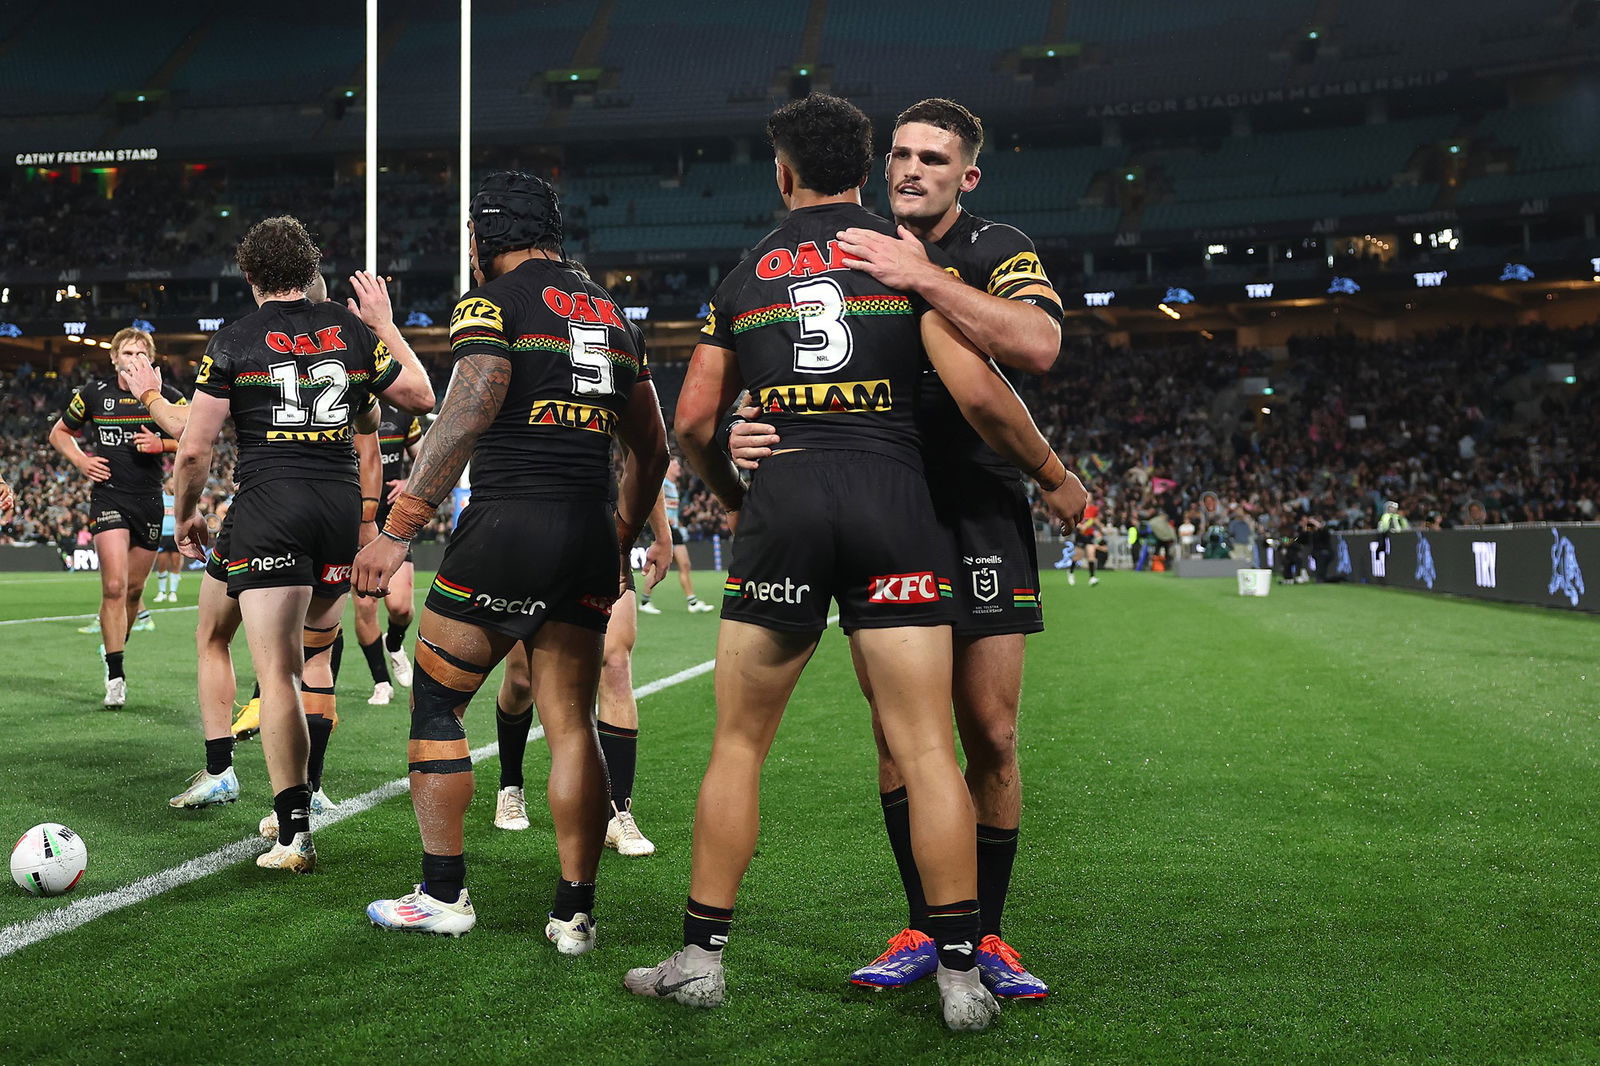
(1091, 568)
(219, 755)
(513, 732)
(443, 876)
(954, 928)
(396, 638)
(997, 850)
(620, 747)
(293, 807)
(336, 655)
(897, 820)
(573, 897)
(706, 926)
(320, 729)
(377, 662)
(113, 665)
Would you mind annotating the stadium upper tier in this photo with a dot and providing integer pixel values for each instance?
(590, 69)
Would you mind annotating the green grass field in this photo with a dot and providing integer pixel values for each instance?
(1336, 825)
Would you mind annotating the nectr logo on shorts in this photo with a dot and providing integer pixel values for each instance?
(785, 591)
(826, 398)
(268, 563)
(908, 588)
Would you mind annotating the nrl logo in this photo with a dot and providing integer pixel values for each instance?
(986, 583)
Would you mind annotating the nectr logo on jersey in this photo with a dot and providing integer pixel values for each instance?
(908, 588)
(801, 262)
(826, 398)
(582, 307)
(573, 416)
(325, 340)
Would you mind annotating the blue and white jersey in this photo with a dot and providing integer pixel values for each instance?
(669, 489)
(169, 525)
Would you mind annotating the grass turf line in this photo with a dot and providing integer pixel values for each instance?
(1332, 825)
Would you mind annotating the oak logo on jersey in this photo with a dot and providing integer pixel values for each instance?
(582, 307)
(1023, 268)
(476, 311)
(573, 416)
(324, 340)
(311, 436)
(826, 397)
(801, 262)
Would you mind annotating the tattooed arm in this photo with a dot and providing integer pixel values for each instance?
(477, 389)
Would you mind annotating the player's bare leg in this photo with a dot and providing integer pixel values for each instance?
(370, 637)
(565, 661)
(274, 623)
(214, 631)
(317, 689)
(399, 606)
(756, 673)
(112, 548)
(619, 726)
(140, 560)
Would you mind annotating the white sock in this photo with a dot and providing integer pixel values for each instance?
(172, 584)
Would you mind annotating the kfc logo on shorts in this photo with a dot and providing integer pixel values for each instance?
(597, 603)
(333, 575)
(904, 588)
(268, 563)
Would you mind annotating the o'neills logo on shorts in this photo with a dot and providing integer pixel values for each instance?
(265, 564)
(921, 587)
(826, 397)
(332, 575)
(528, 605)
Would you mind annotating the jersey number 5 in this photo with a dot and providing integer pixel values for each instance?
(826, 342)
(591, 367)
(326, 411)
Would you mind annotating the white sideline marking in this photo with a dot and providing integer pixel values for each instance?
(86, 617)
(13, 938)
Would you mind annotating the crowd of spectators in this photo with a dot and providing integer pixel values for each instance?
(1460, 427)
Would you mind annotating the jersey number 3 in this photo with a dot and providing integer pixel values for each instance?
(327, 411)
(819, 309)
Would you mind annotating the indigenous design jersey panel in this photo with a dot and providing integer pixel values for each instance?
(832, 357)
(1001, 261)
(113, 417)
(295, 374)
(574, 362)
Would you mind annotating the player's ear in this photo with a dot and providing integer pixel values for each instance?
(970, 178)
(784, 176)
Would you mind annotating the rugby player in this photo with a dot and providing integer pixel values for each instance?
(618, 723)
(1004, 303)
(399, 434)
(547, 370)
(680, 549)
(293, 375)
(841, 511)
(169, 564)
(125, 502)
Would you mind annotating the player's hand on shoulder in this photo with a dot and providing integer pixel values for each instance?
(371, 300)
(149, 443)
(900, 262)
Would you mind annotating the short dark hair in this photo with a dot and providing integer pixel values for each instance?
(828, 140)
(949, 116)
(278, 255)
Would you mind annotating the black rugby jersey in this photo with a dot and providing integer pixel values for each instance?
(295, 374)
(833, 358)
(116, 415)
(1000, 260)
(397, 431)
(574, 362)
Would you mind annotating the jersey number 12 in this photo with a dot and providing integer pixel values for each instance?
(327, 411)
